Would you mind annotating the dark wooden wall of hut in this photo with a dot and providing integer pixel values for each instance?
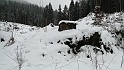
(66, 26)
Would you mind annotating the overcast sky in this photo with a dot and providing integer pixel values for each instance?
(55, 3)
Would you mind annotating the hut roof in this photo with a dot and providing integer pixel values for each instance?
(67, 21)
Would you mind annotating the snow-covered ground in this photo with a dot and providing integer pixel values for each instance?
(40, 50)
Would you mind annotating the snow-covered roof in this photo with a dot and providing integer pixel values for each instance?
(67, 21)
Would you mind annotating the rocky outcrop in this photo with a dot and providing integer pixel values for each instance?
(94, 40)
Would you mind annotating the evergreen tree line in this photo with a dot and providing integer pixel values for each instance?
(81, 8)
(75, 11)
(34, 15)
(29, 14)
(48, 15)
(108, 6)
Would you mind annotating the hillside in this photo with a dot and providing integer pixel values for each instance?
(20, 1)
(39, 50)
(19, 12)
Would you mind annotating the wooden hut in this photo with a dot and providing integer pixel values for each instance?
(67, 25)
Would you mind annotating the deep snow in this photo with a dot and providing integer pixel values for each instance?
(41, 51)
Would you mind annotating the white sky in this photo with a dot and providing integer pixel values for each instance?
(55, 3)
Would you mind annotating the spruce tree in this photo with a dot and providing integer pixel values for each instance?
(59, 15)
(83, 8)
(45, 16)
(71, 10)
(50, 14)
(65, 13)
(76, 11)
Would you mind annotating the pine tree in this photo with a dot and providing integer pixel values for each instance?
(50, 14)
(71, 10)
(45, 16)
(65, 13)
(83, 9)
(76, 11)
(88, 8)
(55, 17)
(59, 15)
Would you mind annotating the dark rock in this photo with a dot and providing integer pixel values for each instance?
(68, 51)
(2, 40)
(88, 56)
(51, 42)
(52, 25)
(59, 52)
(58, 41)
(111, 51)
(43, 55)
(16, 27)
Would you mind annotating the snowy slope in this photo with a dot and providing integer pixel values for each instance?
(40, 50)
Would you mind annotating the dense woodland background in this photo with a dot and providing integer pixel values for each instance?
(34, 15)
